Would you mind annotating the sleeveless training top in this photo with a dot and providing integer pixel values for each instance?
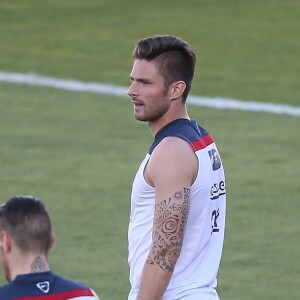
(195, 273)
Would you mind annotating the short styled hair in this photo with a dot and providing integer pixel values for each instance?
(28, 222)
(175, 59)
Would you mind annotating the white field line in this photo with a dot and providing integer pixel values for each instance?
(120, 91)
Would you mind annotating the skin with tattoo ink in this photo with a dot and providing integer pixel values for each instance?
(39, 265)
(169, 230)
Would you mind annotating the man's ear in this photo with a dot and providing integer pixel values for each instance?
(177, 89)
(52, 240)
(5, 240)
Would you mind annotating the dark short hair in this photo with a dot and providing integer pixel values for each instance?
(174, 57)
(28, 222)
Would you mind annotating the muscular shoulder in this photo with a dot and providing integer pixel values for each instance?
(173, 150)
(172, 159)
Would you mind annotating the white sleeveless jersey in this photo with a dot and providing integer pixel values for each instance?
(195, 274)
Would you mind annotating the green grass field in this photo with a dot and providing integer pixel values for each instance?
(79, 151)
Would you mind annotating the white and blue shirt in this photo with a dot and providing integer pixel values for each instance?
(195, 273)
(44, 286)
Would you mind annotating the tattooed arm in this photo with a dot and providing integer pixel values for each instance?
(171, 169)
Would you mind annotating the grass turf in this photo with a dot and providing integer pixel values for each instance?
(79, 151)
(246, 50)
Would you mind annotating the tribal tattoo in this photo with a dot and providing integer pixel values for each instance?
(169, 225)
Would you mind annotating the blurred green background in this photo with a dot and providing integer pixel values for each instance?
(79, 151)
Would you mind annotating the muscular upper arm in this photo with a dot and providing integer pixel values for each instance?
(171, 169)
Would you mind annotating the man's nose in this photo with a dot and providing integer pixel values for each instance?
(131, 90)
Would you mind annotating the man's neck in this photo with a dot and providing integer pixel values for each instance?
(175, 112)
(156, 126)
(28, 265)
(39, 264)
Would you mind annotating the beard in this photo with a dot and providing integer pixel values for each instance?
(152, 112)
(152, 115)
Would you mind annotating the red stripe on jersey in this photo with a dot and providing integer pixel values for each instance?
(61, 296)
(203, 143)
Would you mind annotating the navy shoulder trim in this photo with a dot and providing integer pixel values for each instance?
(188, 130)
